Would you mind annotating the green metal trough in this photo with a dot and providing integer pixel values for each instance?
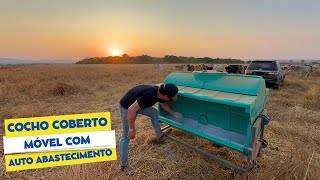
(223, 108)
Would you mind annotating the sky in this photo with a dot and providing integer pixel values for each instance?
(76, 29)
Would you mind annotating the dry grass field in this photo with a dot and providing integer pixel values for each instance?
(40, 90)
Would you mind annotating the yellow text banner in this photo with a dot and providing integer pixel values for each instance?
(58, 158)
(61, 124)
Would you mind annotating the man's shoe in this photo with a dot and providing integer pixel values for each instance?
(166, 133)
(128, 170)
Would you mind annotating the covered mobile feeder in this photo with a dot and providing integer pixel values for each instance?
(222, 108)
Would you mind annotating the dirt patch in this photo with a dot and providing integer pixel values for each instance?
(62, 89)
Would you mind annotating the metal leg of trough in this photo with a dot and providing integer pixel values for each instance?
(166, 127)
(256, 142)
(264, 143)
(211, 156)
(265, 121)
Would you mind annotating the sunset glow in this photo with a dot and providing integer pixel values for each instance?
(116, 52)
(247, 30)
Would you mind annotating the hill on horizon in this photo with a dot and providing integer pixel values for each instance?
(38, 61)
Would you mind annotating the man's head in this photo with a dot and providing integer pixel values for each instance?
(168, 91)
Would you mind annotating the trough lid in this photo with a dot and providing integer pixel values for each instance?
(238, 84)
(216, 96)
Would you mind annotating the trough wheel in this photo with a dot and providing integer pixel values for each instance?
(260, 153)
(264, 144)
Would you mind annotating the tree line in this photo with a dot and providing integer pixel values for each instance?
(146, 59)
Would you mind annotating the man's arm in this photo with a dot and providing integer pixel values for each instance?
(166, 107)
(131, 116)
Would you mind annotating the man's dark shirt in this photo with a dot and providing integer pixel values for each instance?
(146, 95)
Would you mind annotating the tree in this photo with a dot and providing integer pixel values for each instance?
(125, 55)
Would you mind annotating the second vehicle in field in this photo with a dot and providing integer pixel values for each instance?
(271, 71)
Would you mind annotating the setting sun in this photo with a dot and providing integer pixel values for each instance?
(116, 52)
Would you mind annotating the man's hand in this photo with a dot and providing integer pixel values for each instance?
(177, 115)
(132, 113)
(132, 134)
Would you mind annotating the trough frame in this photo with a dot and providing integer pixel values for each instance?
(251, 153)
